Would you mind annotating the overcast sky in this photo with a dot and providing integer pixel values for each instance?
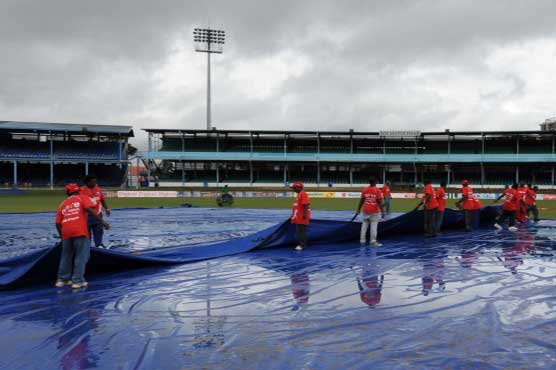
(307, 65)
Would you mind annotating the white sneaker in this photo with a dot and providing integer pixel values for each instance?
(512, 228)
(496, 225)
(62, 283)
(299, 248)
(376, 244)
(79, 285)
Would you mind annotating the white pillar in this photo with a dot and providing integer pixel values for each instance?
(148, 161)
(51, 175)
(15, 174)
(182, 173)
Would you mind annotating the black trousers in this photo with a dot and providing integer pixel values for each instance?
(510, 215)
(469, 215)
(534, 210)
(430, 222)
(301, 234)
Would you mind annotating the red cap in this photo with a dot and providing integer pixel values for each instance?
(296, 184)
(71, 188)
(465, 182)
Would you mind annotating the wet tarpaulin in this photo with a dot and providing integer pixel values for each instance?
(41, 265)
(480, 300)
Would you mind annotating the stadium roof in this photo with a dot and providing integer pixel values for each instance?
(348, 132)
(21, 127)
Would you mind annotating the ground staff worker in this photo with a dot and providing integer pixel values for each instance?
(522, 210)
(71, 223)
(430, 209)
(441, 199)
(512, 201)
(301, 215)
(467, 202)
(94, 192)
(531, 202)
(371, 200)
(387, 193)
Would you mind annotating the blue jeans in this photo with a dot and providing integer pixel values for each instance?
(439, 221)
(96, 230)
(387, 204)
(75, 254)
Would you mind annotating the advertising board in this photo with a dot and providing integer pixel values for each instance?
(147, 194)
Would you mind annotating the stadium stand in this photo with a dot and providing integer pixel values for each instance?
(349, 158)
(40, 154)
(86, 150)
(23, 149)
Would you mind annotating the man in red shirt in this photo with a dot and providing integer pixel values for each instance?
(441, 199)
(71, 223)
(430, 208)
(531, 202)
(522, 210)
(467, 202)
(371, 201)
(512, 201)
(301, 215)
(387, 193)
(95, 194)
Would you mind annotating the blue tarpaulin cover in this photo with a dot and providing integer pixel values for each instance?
(42, 264)
(462, 300)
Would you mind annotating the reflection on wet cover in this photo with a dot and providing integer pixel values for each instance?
(433, 272)
(300, 289)
(370, 280)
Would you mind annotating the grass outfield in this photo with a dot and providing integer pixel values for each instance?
(41, 201)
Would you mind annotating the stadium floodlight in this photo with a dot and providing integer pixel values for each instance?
(211, 42)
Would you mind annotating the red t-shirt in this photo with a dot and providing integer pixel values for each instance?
(432, 203)
(511, 200)
(386, 191)
(476, 202)
(73, 217)
(301, 200)
(531, 197)
(441, 199)
(469, 198)
(523, 193)
(95, 194)
(371, 196)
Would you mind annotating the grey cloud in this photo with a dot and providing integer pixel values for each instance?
(93, 62)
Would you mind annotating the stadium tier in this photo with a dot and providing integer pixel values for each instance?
(36, 154)
(349, 158)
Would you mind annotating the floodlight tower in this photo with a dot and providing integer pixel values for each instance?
(211, 42)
